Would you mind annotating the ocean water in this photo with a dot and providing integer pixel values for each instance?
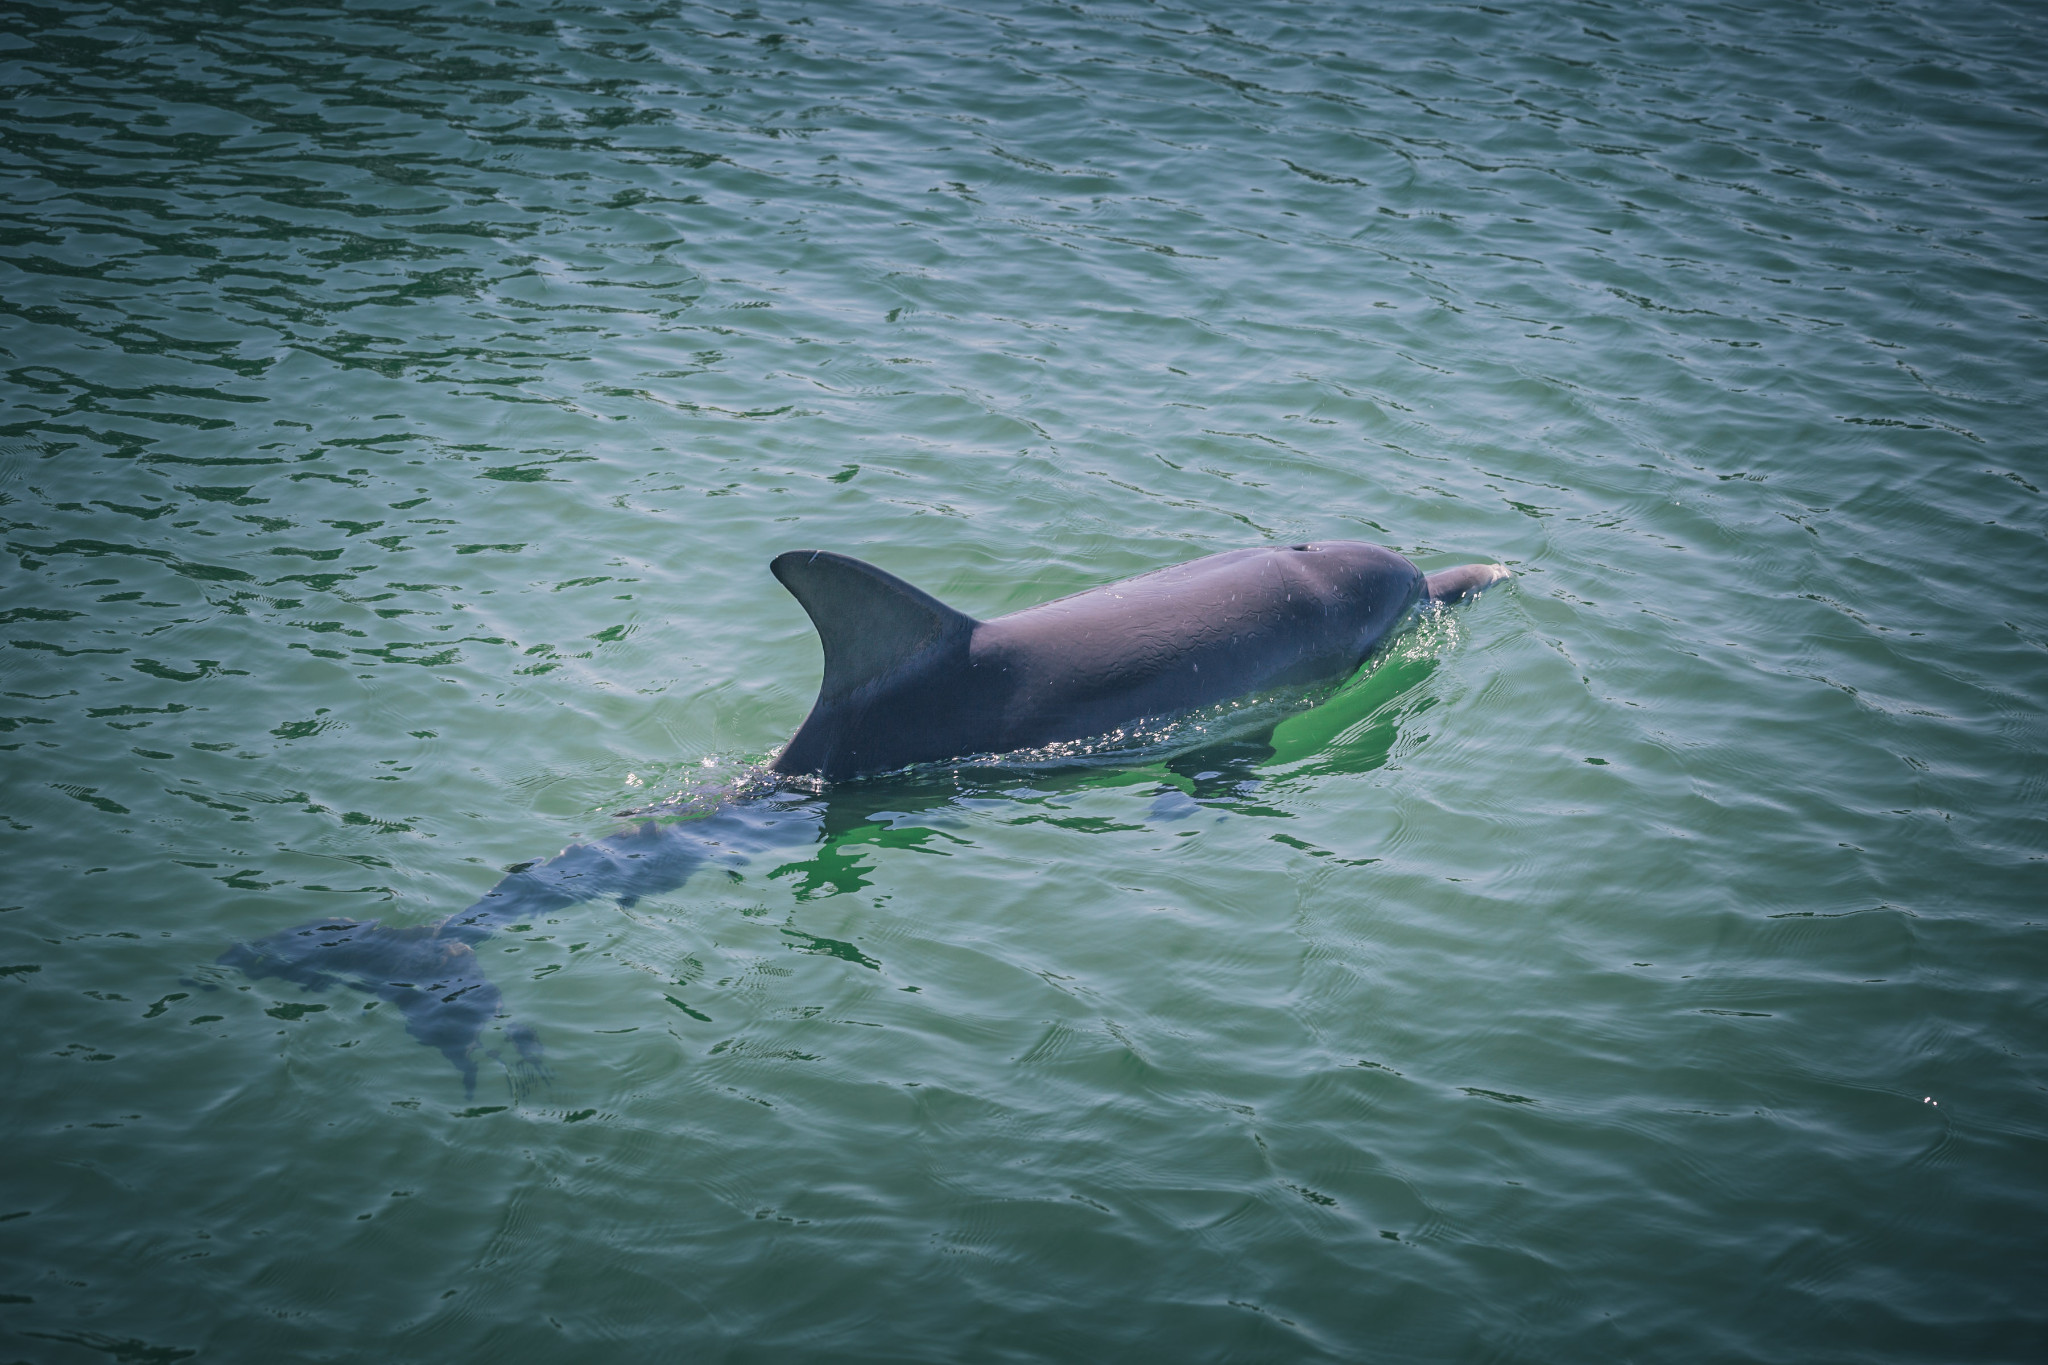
(400, 403)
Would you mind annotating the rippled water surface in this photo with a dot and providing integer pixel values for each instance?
(399, 405)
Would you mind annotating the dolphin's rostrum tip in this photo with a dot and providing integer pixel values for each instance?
(1455, 585)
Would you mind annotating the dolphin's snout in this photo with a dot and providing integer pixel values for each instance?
(1455, 585)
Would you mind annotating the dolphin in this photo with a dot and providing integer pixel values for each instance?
(910, 680)
(907, 680)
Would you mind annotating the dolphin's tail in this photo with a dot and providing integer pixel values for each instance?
(531, 1069)
(1455, 585)
(431, 972)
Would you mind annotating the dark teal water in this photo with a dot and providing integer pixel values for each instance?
(399, 406)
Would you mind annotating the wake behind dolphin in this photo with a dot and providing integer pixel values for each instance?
(907, 680)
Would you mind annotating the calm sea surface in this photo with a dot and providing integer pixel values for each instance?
(400, 403)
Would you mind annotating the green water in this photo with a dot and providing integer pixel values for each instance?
(399, 405)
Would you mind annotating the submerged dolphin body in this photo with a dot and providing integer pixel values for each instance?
(907, 680)
(431, 972)
(910, 680)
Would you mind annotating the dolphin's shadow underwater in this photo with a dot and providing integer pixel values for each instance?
(909, 681)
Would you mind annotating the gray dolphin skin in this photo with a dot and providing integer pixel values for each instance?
(910, 680)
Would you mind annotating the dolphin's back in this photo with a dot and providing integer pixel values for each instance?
(1188, 636)
(908, 679)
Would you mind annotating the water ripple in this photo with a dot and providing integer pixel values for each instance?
(398, 408)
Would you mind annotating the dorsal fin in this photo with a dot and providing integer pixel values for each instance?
(872, 624)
